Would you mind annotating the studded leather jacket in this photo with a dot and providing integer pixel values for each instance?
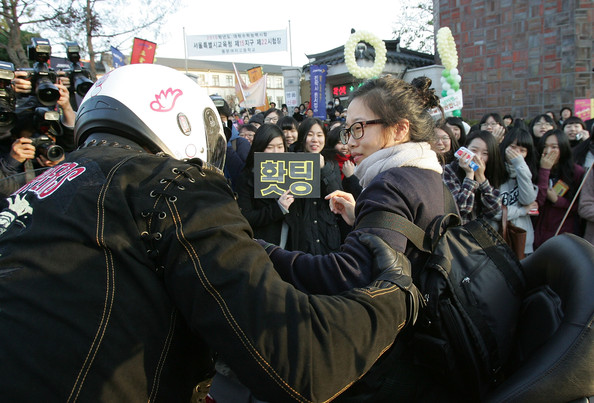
(120, 271)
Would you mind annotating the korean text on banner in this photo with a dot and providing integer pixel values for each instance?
(584, 108)
(274, 173)
(449, 104)
(318, 90)
(237, 43)
(143, 51)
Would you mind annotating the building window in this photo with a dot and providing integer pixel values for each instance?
(201, 79)
(230, 82)
(215, 80)
(279, 82)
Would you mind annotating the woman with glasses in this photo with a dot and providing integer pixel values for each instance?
(388, 131)
(445, 143)
(493, 123)
(272, 115)
(539, 125)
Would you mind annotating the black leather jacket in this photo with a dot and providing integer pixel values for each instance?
(120, 270)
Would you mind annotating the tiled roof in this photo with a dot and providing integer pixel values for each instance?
(394, 54)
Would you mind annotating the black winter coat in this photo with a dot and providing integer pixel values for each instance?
(120, 270)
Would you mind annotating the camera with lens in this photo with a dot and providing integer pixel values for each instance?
(42, 77)
(80, 78)
(7, 97)
(47, 122)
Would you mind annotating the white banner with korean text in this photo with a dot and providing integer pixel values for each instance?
(237, 43)
(449, 103)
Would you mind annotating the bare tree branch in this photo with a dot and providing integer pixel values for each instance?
(415, 26)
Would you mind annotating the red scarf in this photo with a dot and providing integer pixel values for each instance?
(341, 158)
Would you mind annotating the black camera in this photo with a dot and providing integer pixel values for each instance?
(47, 122)
(7, 97)
(42, 77)
(80, 78)
(45, 146)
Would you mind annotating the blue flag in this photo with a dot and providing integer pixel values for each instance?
(118, 58)
(318, 90)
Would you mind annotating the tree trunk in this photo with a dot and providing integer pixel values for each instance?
(89, 30)
(15, 50)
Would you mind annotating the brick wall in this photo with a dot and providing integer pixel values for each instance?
(522, 57)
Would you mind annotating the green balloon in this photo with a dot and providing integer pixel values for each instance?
(445, 73)
(457, 113)
(455, 86)
(451, 80)
(444, 93)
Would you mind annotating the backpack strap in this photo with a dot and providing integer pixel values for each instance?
(395, 222)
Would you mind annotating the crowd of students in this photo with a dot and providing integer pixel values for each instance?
(532, 167)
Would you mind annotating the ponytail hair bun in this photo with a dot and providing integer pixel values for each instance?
(426, 93)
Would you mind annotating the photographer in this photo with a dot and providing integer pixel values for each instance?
(22, 86)
(31, 146)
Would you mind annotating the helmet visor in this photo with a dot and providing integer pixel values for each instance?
(215, 140)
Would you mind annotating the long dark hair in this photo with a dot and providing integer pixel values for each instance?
(448, 156)
(494, 169)
(456, 121)
(332, 139)
(537, 119)
(496, 117)
(304, 128)
(264, 135)
(523, 139)
(565, 168)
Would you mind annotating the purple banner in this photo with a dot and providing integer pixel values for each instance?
(318, 90)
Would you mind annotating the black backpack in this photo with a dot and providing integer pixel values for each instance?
(473, 287)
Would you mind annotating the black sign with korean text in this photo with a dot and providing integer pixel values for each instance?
(274, 173)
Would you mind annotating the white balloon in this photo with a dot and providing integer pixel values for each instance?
(454, 72)
(458, 78)
(446, 86)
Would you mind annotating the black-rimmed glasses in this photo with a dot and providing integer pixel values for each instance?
(356, 130)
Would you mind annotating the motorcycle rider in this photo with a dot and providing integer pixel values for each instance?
(124, 266)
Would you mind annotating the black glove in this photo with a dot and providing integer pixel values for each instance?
(393, 267)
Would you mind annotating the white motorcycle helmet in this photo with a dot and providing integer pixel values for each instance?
(156, 107)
